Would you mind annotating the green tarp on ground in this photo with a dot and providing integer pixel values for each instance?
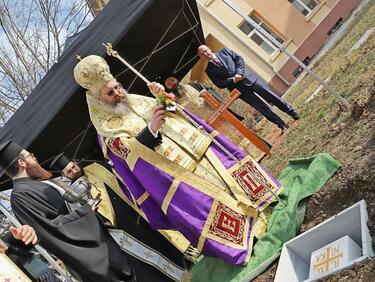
(301, 178)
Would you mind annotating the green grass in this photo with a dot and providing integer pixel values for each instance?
(352, 76)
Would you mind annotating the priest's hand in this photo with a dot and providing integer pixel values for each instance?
(3, 247)
(24, 233)
(158, 118)
(155, 88)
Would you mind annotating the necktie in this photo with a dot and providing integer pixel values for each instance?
(217, 62)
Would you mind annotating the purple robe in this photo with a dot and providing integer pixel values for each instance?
(172, 197)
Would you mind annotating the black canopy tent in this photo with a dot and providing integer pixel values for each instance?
(156, 37)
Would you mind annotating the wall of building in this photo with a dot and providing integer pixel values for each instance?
(318, 37)
(283, 18)
(302, 35)
(220, 26)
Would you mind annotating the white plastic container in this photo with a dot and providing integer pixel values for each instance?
(294, 263)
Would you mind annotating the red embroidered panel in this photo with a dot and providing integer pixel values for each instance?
(116, 146)
(254, 187)
(228, 224)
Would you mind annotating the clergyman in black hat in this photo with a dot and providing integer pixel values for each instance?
(128, 219)
(68, 168)
(78, 238)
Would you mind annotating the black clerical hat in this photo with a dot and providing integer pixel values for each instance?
(59, 162)
(9, 152)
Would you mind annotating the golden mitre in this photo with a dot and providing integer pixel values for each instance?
(92, 73)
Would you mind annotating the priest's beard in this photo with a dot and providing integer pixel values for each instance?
(37, 172)
(118, 108)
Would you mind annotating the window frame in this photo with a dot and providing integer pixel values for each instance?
(303, 5)
(259, 34)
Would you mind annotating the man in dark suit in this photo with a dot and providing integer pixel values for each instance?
(227, 69)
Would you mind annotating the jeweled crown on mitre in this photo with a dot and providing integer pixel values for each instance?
(92, 73)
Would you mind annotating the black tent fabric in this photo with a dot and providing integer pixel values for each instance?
(155, 36)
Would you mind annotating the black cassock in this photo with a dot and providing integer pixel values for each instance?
(78, 238)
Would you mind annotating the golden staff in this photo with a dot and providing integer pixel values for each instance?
(115, 54)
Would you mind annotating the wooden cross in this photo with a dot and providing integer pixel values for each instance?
(221, 111)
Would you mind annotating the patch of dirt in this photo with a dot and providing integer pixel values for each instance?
(359, 272)
(347, 136)
(357, 110)
(267, 276)
(355, 181)
(350, 138)
(276, 138)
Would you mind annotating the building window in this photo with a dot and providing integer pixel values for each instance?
(304, 6)
(299, 69)
(335, 27)
(257, 37)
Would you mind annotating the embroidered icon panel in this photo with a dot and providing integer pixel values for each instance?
(228, 224)
(117, 147)
(252, 181)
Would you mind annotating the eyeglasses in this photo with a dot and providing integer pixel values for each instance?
(29, 155)
(117, 87)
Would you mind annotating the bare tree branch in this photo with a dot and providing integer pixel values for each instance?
(33, 35)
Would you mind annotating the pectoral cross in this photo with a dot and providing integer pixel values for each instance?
(222, 112)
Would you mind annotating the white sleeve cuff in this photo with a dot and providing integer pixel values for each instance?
(154, 134)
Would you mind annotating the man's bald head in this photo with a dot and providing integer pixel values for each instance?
(204, 52)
